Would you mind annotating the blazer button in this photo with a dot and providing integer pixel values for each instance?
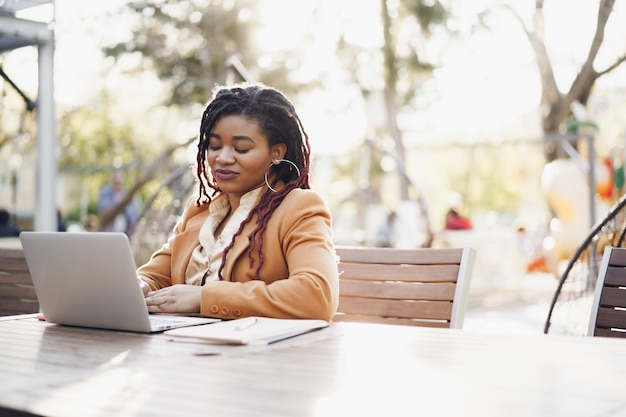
(215, 309)
(237, 312)
(225, 311)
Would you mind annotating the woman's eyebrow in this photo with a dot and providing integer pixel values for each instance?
(243, 137)
(235, 138)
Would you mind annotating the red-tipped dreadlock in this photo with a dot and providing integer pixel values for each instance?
(278, 121)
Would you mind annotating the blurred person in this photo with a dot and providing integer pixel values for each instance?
(110, 195)
(255, 240)
(387, 235)
(454, 220)
(92, 223)
(61, 226)
(531, 245)
(6, 228)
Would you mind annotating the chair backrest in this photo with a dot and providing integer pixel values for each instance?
(17, 294)
(415, 287)
(608, 309)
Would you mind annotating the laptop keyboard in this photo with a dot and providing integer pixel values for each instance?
(159, 321)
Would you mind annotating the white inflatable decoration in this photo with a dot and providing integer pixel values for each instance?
(567, 190)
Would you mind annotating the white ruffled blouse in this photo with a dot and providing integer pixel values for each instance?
(206, 258)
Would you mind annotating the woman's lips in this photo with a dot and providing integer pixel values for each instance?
(224, 174)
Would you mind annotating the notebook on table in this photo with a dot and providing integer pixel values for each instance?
(89, 280)
(250, 330)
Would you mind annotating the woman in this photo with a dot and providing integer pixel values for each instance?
(256, 241)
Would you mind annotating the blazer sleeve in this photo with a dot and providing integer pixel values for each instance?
(166, 266)
(299, 278)
(157, 271)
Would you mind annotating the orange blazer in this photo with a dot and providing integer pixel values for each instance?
(299, 277)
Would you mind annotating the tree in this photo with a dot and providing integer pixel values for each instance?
(17, 117)
(194, 45)
(556, 105)
(191, 46)
(406, 28)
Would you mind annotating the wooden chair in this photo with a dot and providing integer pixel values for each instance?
(415, 287)
(17, 294)
(608, 308)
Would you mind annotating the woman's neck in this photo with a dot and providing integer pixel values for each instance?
(235, 199)
(234, 202)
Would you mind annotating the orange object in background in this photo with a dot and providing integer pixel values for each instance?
(566, 188)
(604, 179)
(539, 264)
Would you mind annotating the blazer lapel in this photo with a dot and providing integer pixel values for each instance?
(242, 242)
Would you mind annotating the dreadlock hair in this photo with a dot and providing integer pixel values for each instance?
(277, 119)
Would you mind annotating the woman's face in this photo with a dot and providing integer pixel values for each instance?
(239, 155)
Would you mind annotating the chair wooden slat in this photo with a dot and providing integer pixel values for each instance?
(613, 297)
(432, 310)
(615, 276)
(609, 333)
(391, 320)
(13, 252)
(15, 278)
(397, 290)
(618, 258)
(608, 317)
(400, 256)
(17, 291)
(418, 287)
(12, 264)
(17, 294)
(11, 306)
(402, 272)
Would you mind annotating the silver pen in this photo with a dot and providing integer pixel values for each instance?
(245, 323)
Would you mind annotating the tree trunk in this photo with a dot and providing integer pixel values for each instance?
(556, 107)
(107, 218)
(391, 106)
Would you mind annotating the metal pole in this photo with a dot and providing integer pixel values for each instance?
(593, 252)
(46, 183)
(13, 179)
(592, 180)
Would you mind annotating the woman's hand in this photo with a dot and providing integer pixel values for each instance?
(179, 298)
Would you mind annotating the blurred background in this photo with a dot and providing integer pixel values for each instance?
(495, 124)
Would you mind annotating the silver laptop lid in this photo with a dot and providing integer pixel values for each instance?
(86, 279)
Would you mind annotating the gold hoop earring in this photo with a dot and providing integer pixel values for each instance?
(276, 162)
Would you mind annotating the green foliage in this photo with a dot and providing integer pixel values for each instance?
(410, 27)
(74, 215)
(18, 123)
(95, 138)
(427, 13)
(572, 125)
(188, 44)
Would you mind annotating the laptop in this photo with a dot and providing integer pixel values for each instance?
(90, 280)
